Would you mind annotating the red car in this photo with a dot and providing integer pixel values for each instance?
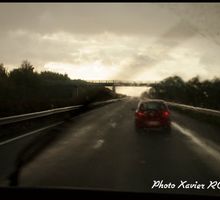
(152, 114)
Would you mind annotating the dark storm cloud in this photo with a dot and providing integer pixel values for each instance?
(84, 18)
(203, 16)
(165, 44)
(133, 37)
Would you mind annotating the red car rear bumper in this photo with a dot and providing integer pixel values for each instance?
(146, 124)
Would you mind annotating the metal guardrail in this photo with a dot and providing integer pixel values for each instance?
(23, 117)
(196, 109)
(105, 102)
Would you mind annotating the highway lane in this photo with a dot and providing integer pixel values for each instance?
(100, 149)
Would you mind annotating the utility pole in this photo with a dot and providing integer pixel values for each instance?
(113, 87)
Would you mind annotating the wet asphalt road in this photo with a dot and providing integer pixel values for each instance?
(100, 149)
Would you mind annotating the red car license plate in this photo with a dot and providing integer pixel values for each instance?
(153, 123)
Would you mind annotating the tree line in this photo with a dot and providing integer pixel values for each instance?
(193, 92)
(23, 90)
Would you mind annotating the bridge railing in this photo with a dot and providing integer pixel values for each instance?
(125, 82)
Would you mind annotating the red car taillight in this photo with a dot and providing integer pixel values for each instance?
(139, 114)
(165, 114)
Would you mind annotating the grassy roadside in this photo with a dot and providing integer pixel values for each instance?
(25, 90)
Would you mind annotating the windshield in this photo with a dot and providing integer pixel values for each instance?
(72, 76)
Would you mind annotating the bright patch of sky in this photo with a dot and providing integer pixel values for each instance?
(121, 41)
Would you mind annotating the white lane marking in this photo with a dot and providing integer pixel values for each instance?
(113, 124)
(209, 147)
(30, 133)
(98, 144)
(82, 131)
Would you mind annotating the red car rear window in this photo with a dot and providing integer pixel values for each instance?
(152, 106)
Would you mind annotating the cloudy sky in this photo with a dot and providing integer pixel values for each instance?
(121, 41)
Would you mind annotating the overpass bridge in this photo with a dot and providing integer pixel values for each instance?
(118, 83)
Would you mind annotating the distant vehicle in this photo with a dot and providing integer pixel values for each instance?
(152, 115)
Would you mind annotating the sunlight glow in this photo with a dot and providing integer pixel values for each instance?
(131, 91)
(93, 71)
